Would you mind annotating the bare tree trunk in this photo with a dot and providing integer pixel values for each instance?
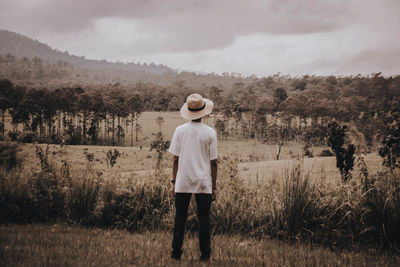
(126, 129)
(3, 126)
(113, 128)
(58, 124)
(137, 127)
(105, 137)
(278, 150)
(132, 120)
(84, 125)
(119, 130)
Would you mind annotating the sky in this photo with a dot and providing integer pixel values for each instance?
(291, 37)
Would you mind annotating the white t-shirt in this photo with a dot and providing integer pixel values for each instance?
(196, 144)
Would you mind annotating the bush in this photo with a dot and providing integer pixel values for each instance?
(82, 199)
(344, 151)
(326, 153)
(13, 135)
(28, 137)
(297, 202)
(289, 207)
(8, 155)
(138, 207)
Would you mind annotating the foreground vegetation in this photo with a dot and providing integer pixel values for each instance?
(289, 206)
(63, 245)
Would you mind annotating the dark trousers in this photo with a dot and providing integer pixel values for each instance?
(203, 203)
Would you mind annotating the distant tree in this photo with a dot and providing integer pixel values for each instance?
(49, 110)
(390, 149)
(6, 88)
(220, 126)
(117, 108)
(215, 94)
(160, 122)
(84, 106)
(344, 152)
(280, 94)
(160, 145)
(135, 107)
(299, 84)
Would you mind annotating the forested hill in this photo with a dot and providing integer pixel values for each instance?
(22, 46)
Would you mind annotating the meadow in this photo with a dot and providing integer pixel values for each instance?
(63, 245)
(285, 212)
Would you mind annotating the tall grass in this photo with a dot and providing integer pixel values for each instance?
(291, 206)
(297, 201)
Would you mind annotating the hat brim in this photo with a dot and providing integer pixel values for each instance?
(194, 115)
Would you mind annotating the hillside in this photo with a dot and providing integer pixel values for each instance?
(22, 46)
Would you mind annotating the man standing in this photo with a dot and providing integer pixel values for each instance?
(194, 146)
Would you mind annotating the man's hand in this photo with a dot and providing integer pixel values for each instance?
(214, 195)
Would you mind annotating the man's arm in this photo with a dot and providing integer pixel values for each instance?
(175, 162)
(214, 173)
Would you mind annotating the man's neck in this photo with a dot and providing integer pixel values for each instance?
(197, 120)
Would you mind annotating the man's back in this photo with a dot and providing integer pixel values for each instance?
(196, 145)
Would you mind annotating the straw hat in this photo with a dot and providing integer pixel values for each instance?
(196, 107)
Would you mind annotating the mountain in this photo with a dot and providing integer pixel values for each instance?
(22, 46)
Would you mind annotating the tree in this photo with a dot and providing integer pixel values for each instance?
(117, 108)
(160, 122)
(220, 126)
(83, 106)
(135, 107)
(344, 152)
(280, 94)
(390, 149)
(49, 109)
(160, 146)
(6, 88)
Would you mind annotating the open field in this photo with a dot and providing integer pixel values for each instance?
(258, 197)
(62, 245)
(135, 161)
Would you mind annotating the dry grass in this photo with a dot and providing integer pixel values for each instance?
(62, 245)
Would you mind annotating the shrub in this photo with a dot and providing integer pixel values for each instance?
(344, 152)
(381, 209)
(390, 149)
(83, 198)
(297, 201)
(326, 153)
(15, 202)
(28, 137)
(307, 152)
(8, 155)
(112, 157)
(14, 135)
(137, 207)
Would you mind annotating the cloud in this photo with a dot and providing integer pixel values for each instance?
(179, 25)
(262, 37)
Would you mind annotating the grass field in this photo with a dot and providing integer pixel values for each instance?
(135, 161)
(62, 245)
(22, 245)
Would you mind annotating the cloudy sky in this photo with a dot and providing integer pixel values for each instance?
(295, 37)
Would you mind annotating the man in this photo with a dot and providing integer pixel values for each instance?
(194, 171)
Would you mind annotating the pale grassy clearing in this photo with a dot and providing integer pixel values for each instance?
(62, 245)
(136, 161)
(318, 167)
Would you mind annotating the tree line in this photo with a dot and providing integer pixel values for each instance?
(273, 109)
(70, 115)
